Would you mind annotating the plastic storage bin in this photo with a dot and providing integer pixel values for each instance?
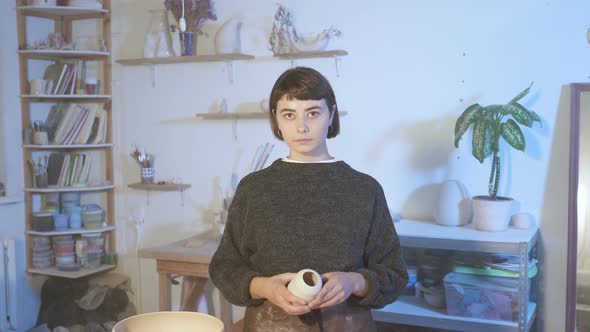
(482, 296)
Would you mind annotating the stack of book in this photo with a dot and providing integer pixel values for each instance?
(71, 78)
(69, 169)
(77, 124)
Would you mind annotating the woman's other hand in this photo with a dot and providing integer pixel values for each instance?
(274, 289)
(337, 288)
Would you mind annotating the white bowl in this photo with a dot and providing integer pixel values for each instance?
(170, 321)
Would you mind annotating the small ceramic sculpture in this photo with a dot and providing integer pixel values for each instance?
(314, 42)
(284, 38)
(306, 284)
(227, 38)
(453, 207)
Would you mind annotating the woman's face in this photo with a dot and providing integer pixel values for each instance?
(304, 126)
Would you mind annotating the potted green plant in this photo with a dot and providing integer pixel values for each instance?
(490, 123)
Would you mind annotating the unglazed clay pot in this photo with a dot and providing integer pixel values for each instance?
(306, 284)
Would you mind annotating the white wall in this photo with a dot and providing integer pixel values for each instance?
(12, 217)
(413, 67)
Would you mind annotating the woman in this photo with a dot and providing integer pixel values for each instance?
(308, 210)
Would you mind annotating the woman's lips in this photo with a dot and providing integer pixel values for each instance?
(303, 140)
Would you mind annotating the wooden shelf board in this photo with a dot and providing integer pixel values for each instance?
(67, 189)
(67, 147)
(160, 187)
(45, 11)
(319, 54)
(414, 311)
(244, 115)
(73, 231)
(53, 271)
(60, 54)
(52, 98)
(185, 59)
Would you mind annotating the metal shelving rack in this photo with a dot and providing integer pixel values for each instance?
(420, 234)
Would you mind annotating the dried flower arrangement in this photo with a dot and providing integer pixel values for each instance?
(196, 12)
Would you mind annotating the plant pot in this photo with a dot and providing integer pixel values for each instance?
(492, 215)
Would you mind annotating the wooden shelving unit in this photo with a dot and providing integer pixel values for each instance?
(53, 12)
(68, 147)
(56, 55)
(73, 231)
(160, 187)
(72, 98)
(83, 272)
(63, 18)
(68, 189)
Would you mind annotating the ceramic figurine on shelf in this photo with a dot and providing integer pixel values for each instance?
(285, 39)
(227, 38)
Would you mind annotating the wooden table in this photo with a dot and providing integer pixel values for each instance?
(188, 258)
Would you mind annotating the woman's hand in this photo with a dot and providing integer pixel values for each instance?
(337, 288)
(274, 289)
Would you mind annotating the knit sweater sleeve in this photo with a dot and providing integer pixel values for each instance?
(229, 269)
(384, 268)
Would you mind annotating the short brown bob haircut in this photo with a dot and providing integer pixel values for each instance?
(303, 83)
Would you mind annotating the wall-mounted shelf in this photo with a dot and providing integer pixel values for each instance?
(335, 54)
(58, 98)
(63, 54)
(68, 189)
(185, 59)
(160, 187)
(83, 272)
(308, 55)
(227, 58)
(73, 231)
(180, 187)
(6, 200)
(238, 116)
(67, 147)
(52, 11)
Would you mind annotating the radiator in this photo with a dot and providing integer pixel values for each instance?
(8, 286)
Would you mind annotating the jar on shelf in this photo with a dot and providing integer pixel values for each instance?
(157, 39)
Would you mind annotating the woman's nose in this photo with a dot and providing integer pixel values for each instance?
(302, 127)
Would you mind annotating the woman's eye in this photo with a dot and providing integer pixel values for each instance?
(288, 116)
(313, 114)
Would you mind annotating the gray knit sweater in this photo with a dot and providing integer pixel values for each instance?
(322, 216)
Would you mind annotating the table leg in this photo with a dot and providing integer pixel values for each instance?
(165, 291)
(192, 289)
(226, 313)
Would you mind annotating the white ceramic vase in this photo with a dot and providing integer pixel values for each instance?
(227, 38)
(492, 215)
(306, 284)
(453, 207)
